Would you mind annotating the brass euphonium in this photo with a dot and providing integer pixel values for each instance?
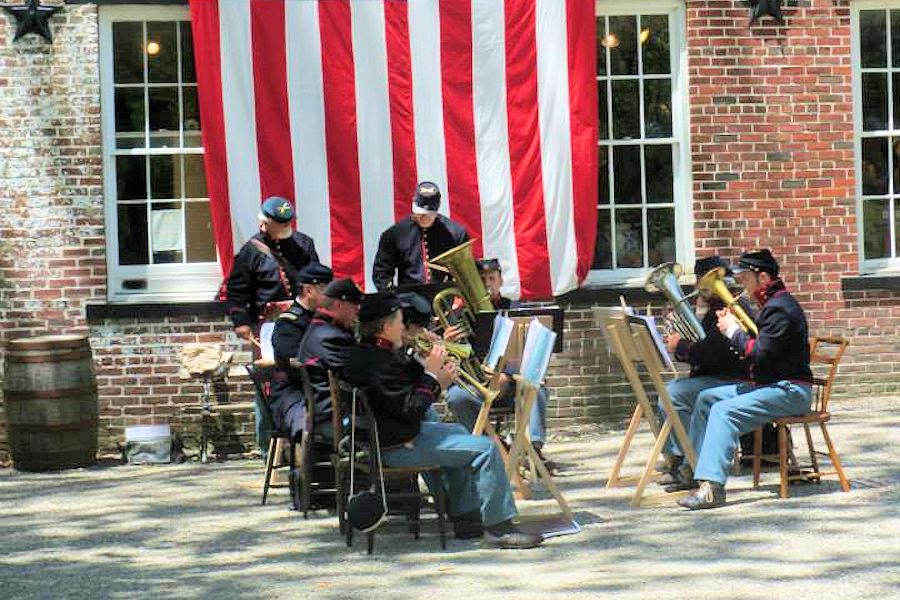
(460, 263)
(664, 279)
(714, 282)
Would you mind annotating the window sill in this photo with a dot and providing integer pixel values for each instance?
(870, 282)
(134, 310)
(609, 295)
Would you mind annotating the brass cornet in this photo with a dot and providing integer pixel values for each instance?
(462, 355)
(714, 282)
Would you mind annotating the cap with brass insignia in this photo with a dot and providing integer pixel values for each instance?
(314, 273)
(427, 198)
(344, 289)
(486, 265)
(416, 309)
(757, 260)
(278, 209)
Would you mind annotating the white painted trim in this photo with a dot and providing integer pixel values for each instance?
(165, 282)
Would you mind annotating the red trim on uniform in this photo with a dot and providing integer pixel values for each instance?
(582, 54)
(529, 218)
(270, 94)
(459, 118)
(400, 95)
(338, 78)
(205, 33)
(748, 348)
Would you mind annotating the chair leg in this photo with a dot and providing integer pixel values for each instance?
(812, 453)
(348, 532)
(306, 472)
(270, 466)
(340, 498)
(757, 455)
(415, 506)
(783, 459)
(441, 507)
(832, 453)
(294, 481)
(370, 542)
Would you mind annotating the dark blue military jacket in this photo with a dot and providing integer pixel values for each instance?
(713, 356)
(400, 251)
(325, 347)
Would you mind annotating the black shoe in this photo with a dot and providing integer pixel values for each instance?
(710, 495)
(684, 480)
(467, 526)
(668, 478)
(507, 535)
(669, 463)
(550, 464)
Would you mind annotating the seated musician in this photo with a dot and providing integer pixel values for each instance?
(326, 344)
(713, 363)
(400, 392)
(781, 383)
(417, 316)
(465, 406)
(287, 399)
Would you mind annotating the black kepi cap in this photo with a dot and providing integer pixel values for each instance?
(315, 273)
(378, 306)
(427, 198)
(704, 265)
(344, 289)
(416, 309)
(758, 261)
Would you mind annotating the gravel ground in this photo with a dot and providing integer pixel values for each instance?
(196, 530)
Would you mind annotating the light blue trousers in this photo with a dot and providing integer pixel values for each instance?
(683, 393)
(466, 407)
(721, 415)
(472, 470)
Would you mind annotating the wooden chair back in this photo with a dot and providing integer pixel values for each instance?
(825, 354)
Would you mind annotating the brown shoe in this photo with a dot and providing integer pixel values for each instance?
(709, 495)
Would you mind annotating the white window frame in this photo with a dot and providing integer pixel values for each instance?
(884, 266)
(165, 282)
(681, 162)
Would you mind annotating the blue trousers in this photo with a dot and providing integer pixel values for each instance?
(683, 393)
(263, 425)
(466, 407)
(721, 415)
(472, 470)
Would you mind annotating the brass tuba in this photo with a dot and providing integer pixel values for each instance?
(460, 263)
(664, 278)
(714, 282)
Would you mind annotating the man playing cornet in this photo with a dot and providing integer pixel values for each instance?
(713, 363)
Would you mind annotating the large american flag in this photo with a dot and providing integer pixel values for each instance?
(343, 105)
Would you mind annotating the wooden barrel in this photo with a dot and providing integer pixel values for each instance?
(50, 401)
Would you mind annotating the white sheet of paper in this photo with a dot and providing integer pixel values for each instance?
(265, 341)
(503, 328)
(658, 341)
(165, 230)
(537, 352)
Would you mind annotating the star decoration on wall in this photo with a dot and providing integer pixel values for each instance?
(32, 17)
(762, 8)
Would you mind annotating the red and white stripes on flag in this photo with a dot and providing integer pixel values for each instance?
(343, 105)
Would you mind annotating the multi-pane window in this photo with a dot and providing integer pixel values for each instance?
(640, 195)
(157, 203)
(878, 109)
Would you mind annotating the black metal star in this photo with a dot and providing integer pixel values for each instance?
(761, 8)
(32, 18)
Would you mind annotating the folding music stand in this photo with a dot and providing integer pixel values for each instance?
(633, 345)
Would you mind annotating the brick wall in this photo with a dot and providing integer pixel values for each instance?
(772, 146)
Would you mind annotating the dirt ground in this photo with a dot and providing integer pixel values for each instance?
(192, 530)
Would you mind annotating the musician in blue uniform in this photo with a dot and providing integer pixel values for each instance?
(713, 363)
(399, 392)
(259, 285)
(287, 398)
(406, 247)
(781, 379)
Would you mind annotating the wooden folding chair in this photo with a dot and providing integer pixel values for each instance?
(822, 389)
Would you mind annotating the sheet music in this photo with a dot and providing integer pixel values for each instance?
(650, 322)
(537, 352)
(503, 328)
(265, 341)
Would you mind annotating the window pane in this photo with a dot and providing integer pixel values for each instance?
(654, 39)
(163, 117)
(129, 117)
(895, 38)
(164, 177)
(876, 229)
(873, 38)
(167, 232)
(661, 235)
(601, 48)
(874, 101)
(603, 180)
(133, 234)
(198, 225)
(629, 239)
(874, 166)
(626, 109)
(194, 177)
(658, 163)
(191, 117)
(162, 52)
(622, 42)
(603, 113)
(188, 72)
(657, 108)
(627, 174)
(603, 247)
(128, 52)
(131, 177)
(896, 83)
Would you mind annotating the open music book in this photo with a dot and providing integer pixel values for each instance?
(503, 328)
(536, 354)
(649, 322)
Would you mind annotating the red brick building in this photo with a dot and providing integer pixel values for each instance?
(716, 136)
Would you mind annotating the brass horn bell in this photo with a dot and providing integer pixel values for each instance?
(664, 279)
